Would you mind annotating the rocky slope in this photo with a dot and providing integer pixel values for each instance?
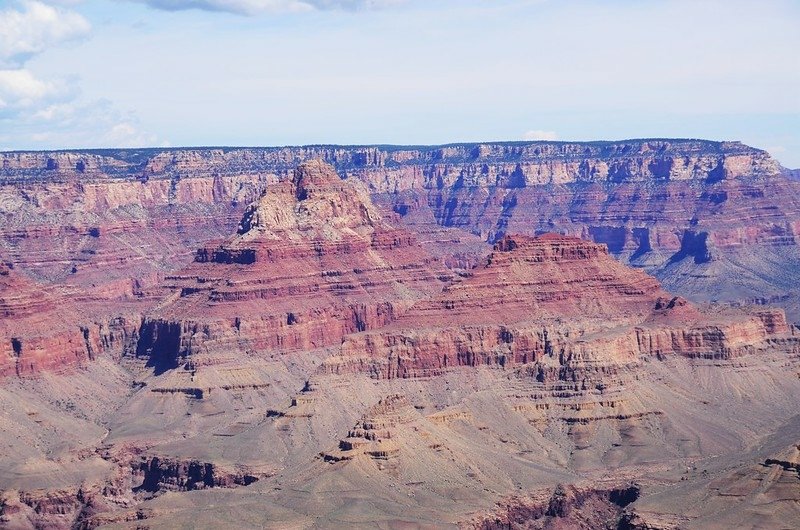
(320, 367)
(312, 261)
(710, 219)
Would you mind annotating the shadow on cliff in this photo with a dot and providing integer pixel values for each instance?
(159, 342)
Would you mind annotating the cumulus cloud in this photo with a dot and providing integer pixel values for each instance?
(34, 27)
(26, 31)
(48, 112)
(540, 135)
(253, 7)
(21, 91)
(72, 124)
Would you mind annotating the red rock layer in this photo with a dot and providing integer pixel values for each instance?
(33, 333)
(312, 262)
(637, 195)
(117, 220)
(43, 329)
(557, 301)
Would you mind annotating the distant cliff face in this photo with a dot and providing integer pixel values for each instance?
(671, 206)
(393, 168)
(362, 372)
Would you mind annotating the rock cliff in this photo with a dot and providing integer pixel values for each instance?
(694, 212)
(311, 262)
(385, 168)
(331, 350)
(559, 303)
(37, 332)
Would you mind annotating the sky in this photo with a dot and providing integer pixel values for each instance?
(134, 73)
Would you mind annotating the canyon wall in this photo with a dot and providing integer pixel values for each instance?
(711, 220)
(668, 205)
(558, 303)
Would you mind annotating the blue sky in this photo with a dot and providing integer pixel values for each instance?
(102, 73)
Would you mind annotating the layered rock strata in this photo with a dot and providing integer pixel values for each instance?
(512, 164)
(37, 331)
(373, 435)
(583, 506)
(558, 303)
(312, 261)
(44, 328)
(657, 202)
(546, 362)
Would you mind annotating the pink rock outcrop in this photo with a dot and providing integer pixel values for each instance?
(312, 261)
(558, 303)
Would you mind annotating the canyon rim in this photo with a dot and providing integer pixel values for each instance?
(473, 335)
(399, 264)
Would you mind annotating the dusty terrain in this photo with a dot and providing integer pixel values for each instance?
(326, 353)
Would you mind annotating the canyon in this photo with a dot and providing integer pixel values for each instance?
(499, 335)
(688, 211)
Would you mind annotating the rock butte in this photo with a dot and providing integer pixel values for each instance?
(556, 301)
(312, 261)
(321, 366)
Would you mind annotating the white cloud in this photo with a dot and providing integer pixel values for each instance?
(47, 112)
(540, 135)
(127, 134)
(36, 27)
(21, 91)
(253, 7)
(74, 125)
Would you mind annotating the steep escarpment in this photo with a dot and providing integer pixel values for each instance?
(42, 330)
(511, 164)
(312, 261)
(579, 507)
(123, 218)
(559, 303)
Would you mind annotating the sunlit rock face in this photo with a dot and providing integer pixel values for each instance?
(304, 337)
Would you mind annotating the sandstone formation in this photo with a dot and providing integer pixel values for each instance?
(36, 331)
(372, 435)
(713, 220)
(330, 362)
(544, 162)
(312, 261)
(557, 302)
(46, 328)
(580, 507)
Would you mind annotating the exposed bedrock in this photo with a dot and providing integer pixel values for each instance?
(312, 261)
(158, 474)
(41, 328)
(119, 221)
(572, 506)
(537, 365)
(114, 500)
(561, 303)
(512, 164)
(603, 187)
